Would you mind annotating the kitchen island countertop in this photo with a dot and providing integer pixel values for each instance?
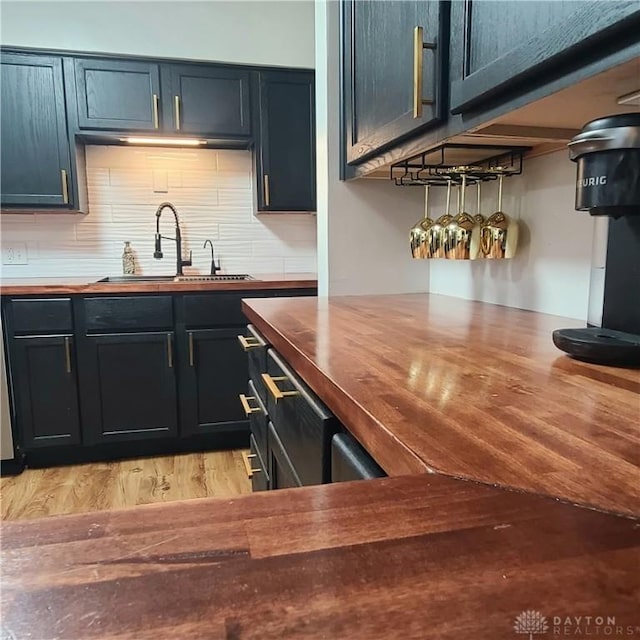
(430, 383)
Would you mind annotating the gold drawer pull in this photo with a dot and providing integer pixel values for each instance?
(418, 47)
(65, 186)
(248, 409)
(247, 464)
(67, 353)
(249, 343)
(273, 387)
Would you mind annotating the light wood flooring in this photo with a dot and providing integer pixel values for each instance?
(112, 485)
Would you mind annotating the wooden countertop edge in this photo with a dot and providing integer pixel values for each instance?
(152, 287)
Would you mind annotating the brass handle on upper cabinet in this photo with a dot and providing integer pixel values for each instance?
(418, 47)
(176, 102)
(190, 349)
(247, 464)
(156, 117)
(65, 186)
(247, 343)
(273, 387)
(67, 353)
(248, 409)
(267, 195)
(169, 351)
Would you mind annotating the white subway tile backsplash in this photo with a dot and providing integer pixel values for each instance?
(213, 193)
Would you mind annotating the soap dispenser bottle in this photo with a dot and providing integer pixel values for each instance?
(128, 260)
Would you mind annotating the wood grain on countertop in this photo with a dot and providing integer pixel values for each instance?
(54, 286)
(415, 557)
(467, 389)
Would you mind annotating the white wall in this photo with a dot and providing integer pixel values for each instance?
(363, 226)
(213, 192)
(268, 32)
(551, 270)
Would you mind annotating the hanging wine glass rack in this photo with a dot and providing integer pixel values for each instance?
(449, 162)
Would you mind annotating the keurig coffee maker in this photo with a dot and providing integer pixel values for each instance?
(607, 152)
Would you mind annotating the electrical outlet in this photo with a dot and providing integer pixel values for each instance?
(14, 253)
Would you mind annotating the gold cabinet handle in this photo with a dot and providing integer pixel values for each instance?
(267, 194)
(156, 117)
(190, 349)
(249, 343)
(169, 351)
(176, 102)
(273, 387)
(67, 353)
(65, 186)
(247, 464)
(248, 409)
(419, 45)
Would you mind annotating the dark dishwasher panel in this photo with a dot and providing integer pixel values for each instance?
(350, 461)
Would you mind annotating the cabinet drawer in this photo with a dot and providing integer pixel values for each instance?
(256, 349)
(40, 315)
(259, 475)
(143, 313)
(217, 309)
(282, 474)
(304, 425)
(350, 461)
(258, 420)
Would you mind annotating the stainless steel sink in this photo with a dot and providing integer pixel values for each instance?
(121, 279)
(219, 278)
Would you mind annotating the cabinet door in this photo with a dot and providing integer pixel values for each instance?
(286, 151)
(282, 475)
(117, 94)
(382, 101)
(498, 45)
(33, 139)
(214, 373)
(45, 388)
(129, 387)
(206, 100)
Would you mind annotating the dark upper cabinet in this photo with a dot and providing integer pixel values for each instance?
(213, 374)
(497, 46)
(388, 73)
(33, 139)
(45, 388)
(206, 100)
(286, 147)
(129, 387)
(117, 94)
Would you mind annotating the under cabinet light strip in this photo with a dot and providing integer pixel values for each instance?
(178, 142)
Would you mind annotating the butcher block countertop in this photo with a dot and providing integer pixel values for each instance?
(423, 557)
(55, 286)
(430, 383)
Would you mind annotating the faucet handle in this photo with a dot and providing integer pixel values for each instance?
(189, 262)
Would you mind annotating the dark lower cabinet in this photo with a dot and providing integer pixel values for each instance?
(213, 374)
(350, 461)
(382, 56)
(34, 146)
(45, 387)
(285, 154)
(282, 475)
(498, 45)
(129, 387)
